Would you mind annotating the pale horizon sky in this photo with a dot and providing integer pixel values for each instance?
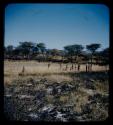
(57, 25)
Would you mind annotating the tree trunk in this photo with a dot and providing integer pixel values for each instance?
(62, 58)
(91, 61)
(71, 59)
(77, 58)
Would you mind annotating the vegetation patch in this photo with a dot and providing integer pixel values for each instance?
(44, 99)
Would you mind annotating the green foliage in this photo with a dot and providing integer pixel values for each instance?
(93, 47)
(41, 47)
(9, 50)
(55, 52)
(73, 49)
(25, 47)
(104, 55)
(69, 53)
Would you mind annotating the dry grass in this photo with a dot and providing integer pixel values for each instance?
(50, 99)
(64, 98)
(15, 67)
(12, 69)
(78, 98)
(102, 87)
(58, 78)
(38, 73)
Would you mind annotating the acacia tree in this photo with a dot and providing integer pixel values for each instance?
(41, 48)
(77, 50)
(26, 48)
(9, 50)
(105, 56)
(68, 51)
(54, 52)
(48, 53)
(17, 51)
(34, 51)
(62, 54)
(92, 49)
(73, 50)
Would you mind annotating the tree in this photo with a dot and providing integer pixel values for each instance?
(54, 52)
(41, 48)
(105, 56)
(34, 50)
(4, 50)
(26, 48)
(62, 54)
(48, 54)
(17, 51)
(77, 50)
(9, 50)
(92, 48)
(73, 50)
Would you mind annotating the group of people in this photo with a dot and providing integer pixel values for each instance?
(75, 67)
(88, 67)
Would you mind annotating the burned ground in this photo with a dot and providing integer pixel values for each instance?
(84, 98)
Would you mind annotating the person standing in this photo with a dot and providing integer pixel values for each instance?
(60, 66)
(90, 67)
(66, 67)
(23, 69)
(78, 67)
(75, 67)
(72, 66)
(86, 67)
(49, 65)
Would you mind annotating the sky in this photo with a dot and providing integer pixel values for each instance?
(57, 25)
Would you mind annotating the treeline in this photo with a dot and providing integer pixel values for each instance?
(70, 53)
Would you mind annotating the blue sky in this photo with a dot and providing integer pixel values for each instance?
(57, 25)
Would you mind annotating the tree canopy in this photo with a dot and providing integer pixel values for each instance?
(70, 52)
(93, 47)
